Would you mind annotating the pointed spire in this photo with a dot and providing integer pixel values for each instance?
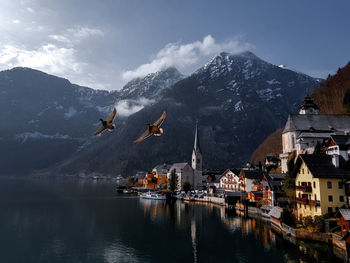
(196, 146)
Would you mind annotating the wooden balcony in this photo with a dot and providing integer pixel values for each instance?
(314, 202)
(303, 201)
(304, 188)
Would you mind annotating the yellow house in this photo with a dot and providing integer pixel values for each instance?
(319, 185)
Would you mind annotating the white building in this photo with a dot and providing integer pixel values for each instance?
(229, 180)
(303, 131)
(184, 172)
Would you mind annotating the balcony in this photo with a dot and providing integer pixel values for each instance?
(304, 188)
(314, 202)
(303, 201)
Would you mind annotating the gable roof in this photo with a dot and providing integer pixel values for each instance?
(345, 213)
(162, 168)
(253, 174)
(233, 170)
(317, 122)
(341, 139)
(321, 166)
(178, 166)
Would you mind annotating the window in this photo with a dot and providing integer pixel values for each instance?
(315, 197)
(314, 184)
(303, 171)
(330, 198)
(330, 210)
(340, 185)
(329, 185)
(341, 198)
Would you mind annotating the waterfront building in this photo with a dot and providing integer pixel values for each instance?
(320, 184)
(344, 221)
(230, 180)
(273, 192)
(184, 172)
(249, 178)
(160, 172)
(305, 130)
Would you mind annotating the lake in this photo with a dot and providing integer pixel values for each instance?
(66, 220)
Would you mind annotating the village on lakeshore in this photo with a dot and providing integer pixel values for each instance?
(304, 192)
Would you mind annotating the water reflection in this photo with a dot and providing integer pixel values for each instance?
(84, 221)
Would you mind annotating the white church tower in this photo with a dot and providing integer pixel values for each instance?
(197, 161)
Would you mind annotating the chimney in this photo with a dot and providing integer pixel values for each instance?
(335, 160)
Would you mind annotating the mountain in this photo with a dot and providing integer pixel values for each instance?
(237, 99)
(140, 92)
(329, 97)
(45, 118)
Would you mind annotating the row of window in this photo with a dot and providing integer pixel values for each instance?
(340, 185)
(330, 198)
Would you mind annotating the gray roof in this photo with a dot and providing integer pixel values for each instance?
(315, 134)
(178, 166)
(275, 177)
(253, 174)
(276, 212)
(345, 213)
(162, 168)
(266, 207)
(317, 122)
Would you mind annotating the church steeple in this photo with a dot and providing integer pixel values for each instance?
(308, 106)
(196, 153)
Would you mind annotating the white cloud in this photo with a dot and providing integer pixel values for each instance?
(48, 58)
(128, 107)
(60, 38)
(82, 32)
(182, 56)
(16, 21)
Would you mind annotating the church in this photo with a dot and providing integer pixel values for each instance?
(303, 131)
(191, 173)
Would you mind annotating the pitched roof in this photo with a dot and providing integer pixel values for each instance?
(253, 174)
(317, 122)
(276, 212)
(321, 166)
(341, 139)
(178, 166)
(162, 168)
(233, 170)
(275, 177)
(345, 213)
(196, 146)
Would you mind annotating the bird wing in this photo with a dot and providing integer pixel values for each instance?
(111, 117)
(100, 130)
(160, 120)
(145, 135)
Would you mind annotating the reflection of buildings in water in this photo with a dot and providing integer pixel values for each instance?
(194, 240)
(118, 252)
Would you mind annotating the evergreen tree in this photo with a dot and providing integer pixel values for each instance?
(186, 186)
(172, 182)
(346, 101)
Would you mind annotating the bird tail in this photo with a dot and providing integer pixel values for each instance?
(161, 130)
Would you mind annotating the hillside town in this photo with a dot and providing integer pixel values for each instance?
(304, 192)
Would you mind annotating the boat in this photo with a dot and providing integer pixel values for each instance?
(153, 196)
(129, 191)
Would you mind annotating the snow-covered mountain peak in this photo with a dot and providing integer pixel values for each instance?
(151, 85)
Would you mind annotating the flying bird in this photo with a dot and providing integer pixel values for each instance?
(108, 123)
(153, 129)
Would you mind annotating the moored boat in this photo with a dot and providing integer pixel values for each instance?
(153, 196)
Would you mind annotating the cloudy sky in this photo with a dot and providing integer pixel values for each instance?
(103, 44)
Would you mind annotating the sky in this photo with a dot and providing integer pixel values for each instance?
(104, 44)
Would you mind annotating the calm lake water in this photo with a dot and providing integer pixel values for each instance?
(86, 221)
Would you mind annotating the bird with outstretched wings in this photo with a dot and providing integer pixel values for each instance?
(153, 129)
(108, 124)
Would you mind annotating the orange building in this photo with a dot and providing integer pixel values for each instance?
(157, 179)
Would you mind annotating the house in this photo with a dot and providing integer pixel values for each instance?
(344, 221)
(184, 172)
(150, 181)
(229, 180)
(340, 145)
(272, 187)
(272, 162)
(303, 131)
(248, 178)
(212, 181)
(160, 172)
(255, 195)
(320, 184)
